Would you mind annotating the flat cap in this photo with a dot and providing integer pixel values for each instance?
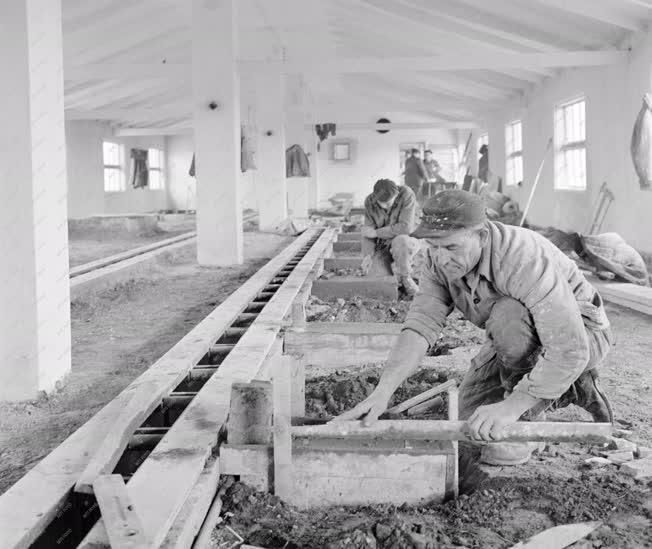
(384, 189)
(450, 211)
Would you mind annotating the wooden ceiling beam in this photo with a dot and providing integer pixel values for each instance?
(452, 62)
(595, 11)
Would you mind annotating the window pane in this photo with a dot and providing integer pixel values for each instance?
(154, 158)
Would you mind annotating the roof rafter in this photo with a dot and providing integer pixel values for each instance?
(596, 11)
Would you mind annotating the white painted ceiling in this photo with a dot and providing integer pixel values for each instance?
(104, 40)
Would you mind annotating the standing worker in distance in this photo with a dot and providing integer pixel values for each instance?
(547, 331)
(415, 173)
(389, 219)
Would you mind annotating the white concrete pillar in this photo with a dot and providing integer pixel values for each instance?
(271, 189)
(34, 286)
(216, 81)
(297, 134)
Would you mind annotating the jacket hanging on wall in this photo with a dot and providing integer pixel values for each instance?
(191, 171)
(139, 173)
(247, 161)
(296, 162)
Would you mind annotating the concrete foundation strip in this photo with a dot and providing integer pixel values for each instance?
(42, 495)
(164, 481)
(105, 261)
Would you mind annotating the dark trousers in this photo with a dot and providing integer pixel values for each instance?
(511, 351)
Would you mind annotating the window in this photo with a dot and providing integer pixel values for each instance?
(514, 150)
(155, 163)
(570, 146)
(448, 158)
(114, 179)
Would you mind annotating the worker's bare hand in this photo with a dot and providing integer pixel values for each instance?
(369, 232)
(488, 422)
(368, 410)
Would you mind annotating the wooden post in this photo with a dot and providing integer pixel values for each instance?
(283, 481)
(298, 387)
(250, 414)
(454, 415)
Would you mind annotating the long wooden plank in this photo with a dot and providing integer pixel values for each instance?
(121, 520)
(36, 499)
(457, 430)
(421, 397)
(188, 351)
(162, 483)
(638, 298)
(103, 262)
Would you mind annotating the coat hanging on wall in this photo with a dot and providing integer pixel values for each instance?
(641, 146)
(296, 162)
(139, 173)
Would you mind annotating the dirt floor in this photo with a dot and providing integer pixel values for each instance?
(86, 244)
(499, 506)
(115, 338)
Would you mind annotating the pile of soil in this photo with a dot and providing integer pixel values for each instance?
(457, 332)
(340, 391)
(499, 514)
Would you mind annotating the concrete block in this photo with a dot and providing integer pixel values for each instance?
(341, 472)
(351, 246)
(596, 462)
(618, 458)
(375, 287)
(643, 452)
(341, 237)
(641, 468)
(335, 263)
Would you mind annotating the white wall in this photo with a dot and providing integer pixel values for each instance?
(375, 156)
(86, 196)
(613, 99)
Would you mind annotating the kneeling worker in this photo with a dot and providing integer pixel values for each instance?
(389, 219)
(546, 327)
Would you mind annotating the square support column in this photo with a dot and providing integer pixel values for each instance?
(271, 188)
(216, 81)
(34, 287)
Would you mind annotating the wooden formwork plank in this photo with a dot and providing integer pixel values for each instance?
(632, 296)
(39, 497)
(163, 482)
(160, 379)
(123, 527)
(426, 429)
(283, 479)
(99, 263)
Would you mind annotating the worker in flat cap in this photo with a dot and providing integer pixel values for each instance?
(389, 219)
(547, 331)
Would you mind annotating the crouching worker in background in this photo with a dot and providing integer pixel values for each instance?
(547, 331)
(389, 219)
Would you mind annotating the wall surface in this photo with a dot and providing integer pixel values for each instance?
(613, 99)
(374, 156)
(86, 195)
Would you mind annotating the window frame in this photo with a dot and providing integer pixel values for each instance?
(160, 169)
(119, 167)
(513, 157)
(562, 146)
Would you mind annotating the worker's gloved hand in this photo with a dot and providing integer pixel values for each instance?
(368, 410)
(369, 232)
(366, 264)
(488, 422)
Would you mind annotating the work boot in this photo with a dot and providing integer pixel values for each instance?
(409, 285)
(592, 399)
(509, 453)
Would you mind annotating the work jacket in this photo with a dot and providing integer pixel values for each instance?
(415, 171)
(399, 219)
(525, 266)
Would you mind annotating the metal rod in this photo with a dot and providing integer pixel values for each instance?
(422, 397)
(536, 182)
(456, 430)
